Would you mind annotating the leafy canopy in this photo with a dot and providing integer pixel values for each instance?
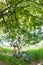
(24, 17)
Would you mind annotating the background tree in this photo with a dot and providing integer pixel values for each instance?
(24, 17)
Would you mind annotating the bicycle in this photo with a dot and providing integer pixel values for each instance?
(24, 55)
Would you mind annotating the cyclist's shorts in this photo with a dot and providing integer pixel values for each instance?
(16, 45)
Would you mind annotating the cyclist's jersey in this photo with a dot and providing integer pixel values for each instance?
(16, 42)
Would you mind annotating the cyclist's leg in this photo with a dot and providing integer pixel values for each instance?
(14, 48)
(18, 50)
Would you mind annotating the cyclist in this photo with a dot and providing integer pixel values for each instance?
(17, 44)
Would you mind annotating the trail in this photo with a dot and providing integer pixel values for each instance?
(2, 63)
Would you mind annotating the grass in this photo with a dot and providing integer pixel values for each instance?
(36, 54)
(6, 50)
(5, 55)
(10, 60)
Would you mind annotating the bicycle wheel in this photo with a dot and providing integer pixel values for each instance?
(25, 56)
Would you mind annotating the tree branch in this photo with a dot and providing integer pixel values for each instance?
(4, 10)
(18, 2)
(7, 28)
(8, 7)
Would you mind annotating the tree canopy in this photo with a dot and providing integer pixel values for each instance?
(22, 17)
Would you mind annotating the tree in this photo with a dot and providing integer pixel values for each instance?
(23, 17)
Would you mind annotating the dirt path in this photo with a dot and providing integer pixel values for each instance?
(1, 62)
(40, 62)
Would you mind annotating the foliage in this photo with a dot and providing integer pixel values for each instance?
(36, 54)
(22, 17)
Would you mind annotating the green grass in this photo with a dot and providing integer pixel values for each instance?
(6, 50)
(5, 55)
(10, 60)
(36, 54)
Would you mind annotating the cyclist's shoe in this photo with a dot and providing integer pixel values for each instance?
(16, 55)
